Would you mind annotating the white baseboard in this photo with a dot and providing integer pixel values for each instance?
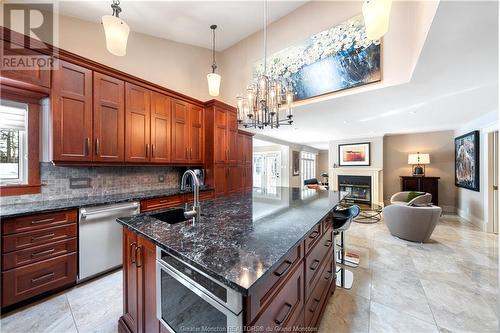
(449, 209)
(472, 219)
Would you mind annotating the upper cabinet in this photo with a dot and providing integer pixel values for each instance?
(220, 135)
(109, 119)
(187, 133)
(32, 75)
(232, 137)
(137, 123)
(161, 122)
(72, 113)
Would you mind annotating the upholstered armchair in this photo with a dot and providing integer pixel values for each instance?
(401, 197)
(412, 223)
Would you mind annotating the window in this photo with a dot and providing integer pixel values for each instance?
(13, 143)
(308, 165)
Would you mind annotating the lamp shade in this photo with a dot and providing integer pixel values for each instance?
(213, 84)
(419, 158)
(116, 32)
(376, 14)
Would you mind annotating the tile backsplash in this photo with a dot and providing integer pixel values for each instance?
(103, 181)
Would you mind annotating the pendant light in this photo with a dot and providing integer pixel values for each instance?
(116, 31)
(213, 78)
(376, 14)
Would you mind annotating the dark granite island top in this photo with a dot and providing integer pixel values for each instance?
(242, 237)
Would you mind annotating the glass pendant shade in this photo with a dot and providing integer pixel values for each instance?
(116, 32)
(213, 84)
(376, 14)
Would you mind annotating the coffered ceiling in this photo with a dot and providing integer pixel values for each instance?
(187, 21)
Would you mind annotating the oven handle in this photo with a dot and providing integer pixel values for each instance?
(188, 284)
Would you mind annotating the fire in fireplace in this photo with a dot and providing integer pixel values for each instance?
(358, 187)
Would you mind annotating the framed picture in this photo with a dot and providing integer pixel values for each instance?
(296, 162)
(467, 161)
(354, 154)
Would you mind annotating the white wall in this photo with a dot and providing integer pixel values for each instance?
(472, 205)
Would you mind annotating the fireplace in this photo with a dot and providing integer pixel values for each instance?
(358, 187)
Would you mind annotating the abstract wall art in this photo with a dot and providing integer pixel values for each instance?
(338, 58)
(467, 161)
(354, 154)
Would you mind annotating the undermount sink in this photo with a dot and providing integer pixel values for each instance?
(172, 216)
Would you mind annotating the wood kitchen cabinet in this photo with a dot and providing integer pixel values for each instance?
(187, 133)
(161, 122)
(139, 285)
(137, 123)
(109, 119)
(71, 98)
(32, 75)
(232, 137)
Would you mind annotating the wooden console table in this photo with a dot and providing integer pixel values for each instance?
(421, 184)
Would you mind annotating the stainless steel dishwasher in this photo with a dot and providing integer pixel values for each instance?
(100, 238)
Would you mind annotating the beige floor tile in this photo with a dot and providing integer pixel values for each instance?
(52, 315)
(346, 313)
(384, 319)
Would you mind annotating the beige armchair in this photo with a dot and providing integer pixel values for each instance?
(401, 197)
(415, 224)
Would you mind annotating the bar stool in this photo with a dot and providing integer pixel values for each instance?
(342, 219)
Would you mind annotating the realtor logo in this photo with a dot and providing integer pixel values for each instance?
(33, 20)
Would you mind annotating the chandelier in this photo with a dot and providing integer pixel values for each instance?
(268, 102)
(116, 31)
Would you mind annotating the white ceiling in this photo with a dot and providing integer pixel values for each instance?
(187, 21)
(454, 82)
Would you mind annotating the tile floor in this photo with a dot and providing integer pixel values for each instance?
(448, 285)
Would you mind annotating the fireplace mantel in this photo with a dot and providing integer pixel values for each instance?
(375, 173)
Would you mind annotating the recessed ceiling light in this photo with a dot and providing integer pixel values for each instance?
(345, 122)
(413, 112)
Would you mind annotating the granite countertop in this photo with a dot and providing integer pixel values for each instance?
(240, 237)
(53, 205)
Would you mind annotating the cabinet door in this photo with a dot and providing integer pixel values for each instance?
(137, 122)
(241, 148)
(109, 119)
(248, 177)
(146, 265)
(72, 113)
(232, 142)
(195, 134)
(430, 185)
(220, 179)
(248, 149)
(233, 179)
(161, 119)
(410, 184)
(32, 73)
(180, 131)
(220, 136)
(130, 280)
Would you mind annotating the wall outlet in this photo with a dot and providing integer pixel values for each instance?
(161, 179)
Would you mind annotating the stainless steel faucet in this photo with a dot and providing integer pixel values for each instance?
(195, 212)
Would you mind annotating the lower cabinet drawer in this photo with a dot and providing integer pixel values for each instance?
(38, 221)
(319, 295)
(287, 304)
(37, 253)
(159, 203)
(33, 238)
(22, 283)
(316, 259)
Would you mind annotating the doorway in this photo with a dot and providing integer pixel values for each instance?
(493, 165)
(267, 169)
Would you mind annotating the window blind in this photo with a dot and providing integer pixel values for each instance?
(13, 116)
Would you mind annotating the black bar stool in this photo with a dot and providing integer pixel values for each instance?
(342, 219)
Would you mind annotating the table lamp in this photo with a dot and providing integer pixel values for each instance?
(418, 162)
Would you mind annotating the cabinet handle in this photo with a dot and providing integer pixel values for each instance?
(226, 154)
(43, 277)
(328, 276)
(187, 154)
(328, 243)
(97, 146)
(190, 153)
(43, 221)
(147, 149)
(152, 150)
(314, 265)
(133, 246)
(42, 253)
(138, 255)
(287, 307)
(87, 146)
(284, 268)
(42, 237)
(313, 234)
(316, 302)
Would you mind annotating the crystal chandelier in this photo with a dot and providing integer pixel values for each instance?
(268, 102)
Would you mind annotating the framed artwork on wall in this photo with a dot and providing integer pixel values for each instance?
(354, 154)
(467, 161)
(296, 163)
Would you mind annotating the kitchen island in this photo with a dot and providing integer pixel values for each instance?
(261, 259)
